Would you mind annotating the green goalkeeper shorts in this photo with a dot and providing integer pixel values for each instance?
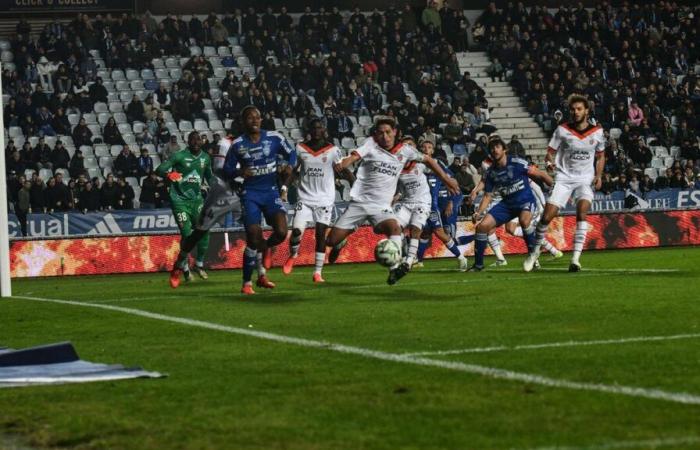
(186, 214)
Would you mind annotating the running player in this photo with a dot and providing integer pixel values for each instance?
(510, 177)
(316, 158)
(412, 207)
(380, 160)
(434, 224)
(255, 156)
(185, 171)
(572, 151)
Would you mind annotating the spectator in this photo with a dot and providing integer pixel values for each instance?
(111, 134)
(41, 155)
(82, 134)
(635, 114)
(515, 148)
(607, 185)
(77, 164)
(23, 206)
(495, 70)
(145, 163)
(431, 16)
(109, 194)
(622, 183)
(647, 184)
(60, 123)
(57, 197)
(126, 163)
(465, 177)
(98, 93)
(135, 110)
(678, 181)
(60, 158)
(37, 195)
(125, 195)
(89, 199)
(15, 163)
(664, 181)
(150, 197)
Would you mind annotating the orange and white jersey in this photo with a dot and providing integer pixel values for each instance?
(575, 151)
(317, 179)
(379, 171)
(217, 161)
(413, 184)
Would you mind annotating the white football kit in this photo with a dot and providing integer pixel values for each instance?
(316, 186)
(217, 161)
(377, 177)
(413, 208)
(575, 158)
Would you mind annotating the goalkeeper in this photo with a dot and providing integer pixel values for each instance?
(185, 171)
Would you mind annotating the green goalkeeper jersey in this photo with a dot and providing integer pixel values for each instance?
(193, 169)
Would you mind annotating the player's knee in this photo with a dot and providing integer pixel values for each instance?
(483, 228)
(296, 232)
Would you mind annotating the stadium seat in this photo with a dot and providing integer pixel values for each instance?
(216, 124)
(101, 150)
(116, 107)
(242, 61)
(156, 160)
(15, 132)
(157, 64)
(228, 61)
(132, 74)
(120, 117)
(195, 50)
(209, 51)
(50, 141)
(96, 130)
(228, 123)
(5, 45)
(220, 72)
(115, 150)
(237, 51)
(172, 62)
(147, 74)
(90, 118)
(93, 172)
(360, 140)
(201, 125)
(223, 51)
(365, 121)
(615, 133)
(279, 125)
(291, 123)
(28, 173)
(103, 118)
(668, 161)
(162, 73)
(106, 171)
(185, 125)
(136, 85)
(651, 172)
(129, 139)
(152, 85)
(45, 174)
(215, 94)
(105, 161)
(9, 66)
(674, 151)
(296, 134)
(138, 127)
(348, 143)
(175, 73)
(122, 85)
(33, 141)
(90, 163)
(118, 75)
(124, 128)
(6, 56)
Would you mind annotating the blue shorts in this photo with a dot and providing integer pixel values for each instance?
(504, 212)
(257, 204)
(434, 221)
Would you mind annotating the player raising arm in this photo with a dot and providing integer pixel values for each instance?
(381, 160)
(510, 177)
(572, 150)
(255, 156)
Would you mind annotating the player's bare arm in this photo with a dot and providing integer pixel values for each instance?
(451, 183)
(485, 201)
(346, 162)
(599, 168)
(540, 175)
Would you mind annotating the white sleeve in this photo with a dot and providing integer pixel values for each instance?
(600, 142)
(337, 155)
(555, 141)
(539, 195)
(365, 149)
(412, 154)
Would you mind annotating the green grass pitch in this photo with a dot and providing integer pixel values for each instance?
(606, 358)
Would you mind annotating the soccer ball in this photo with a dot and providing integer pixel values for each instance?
(387, 253)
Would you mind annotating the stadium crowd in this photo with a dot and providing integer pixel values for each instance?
(636, 64)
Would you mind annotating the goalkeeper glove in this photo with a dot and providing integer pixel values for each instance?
(174, 176)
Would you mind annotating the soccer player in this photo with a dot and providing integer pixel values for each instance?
(510, 177)
(434, 224)
(316, 158)
(255, 156)
(185, 171)
(381, 161)
(413, 205)
(572, 151)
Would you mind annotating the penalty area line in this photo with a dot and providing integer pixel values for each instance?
(503, 348)
(650, 443)
(489, 372)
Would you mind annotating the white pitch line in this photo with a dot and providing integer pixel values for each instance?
(490, 372)
(647, 444)
(501, 348)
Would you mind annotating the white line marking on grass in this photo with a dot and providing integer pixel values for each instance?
(651, 443)
(490, 372)
(501, 348)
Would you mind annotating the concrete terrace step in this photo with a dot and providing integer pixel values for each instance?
(500, 114)
(505, 102)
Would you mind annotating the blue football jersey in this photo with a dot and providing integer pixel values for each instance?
(511, 182)
(263, 157)
(436, 186)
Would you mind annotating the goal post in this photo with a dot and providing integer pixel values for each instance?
(5, 283)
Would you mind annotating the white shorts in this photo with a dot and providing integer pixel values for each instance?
(414, 214)
(305, 214)
(357, 213)
(581, 189)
